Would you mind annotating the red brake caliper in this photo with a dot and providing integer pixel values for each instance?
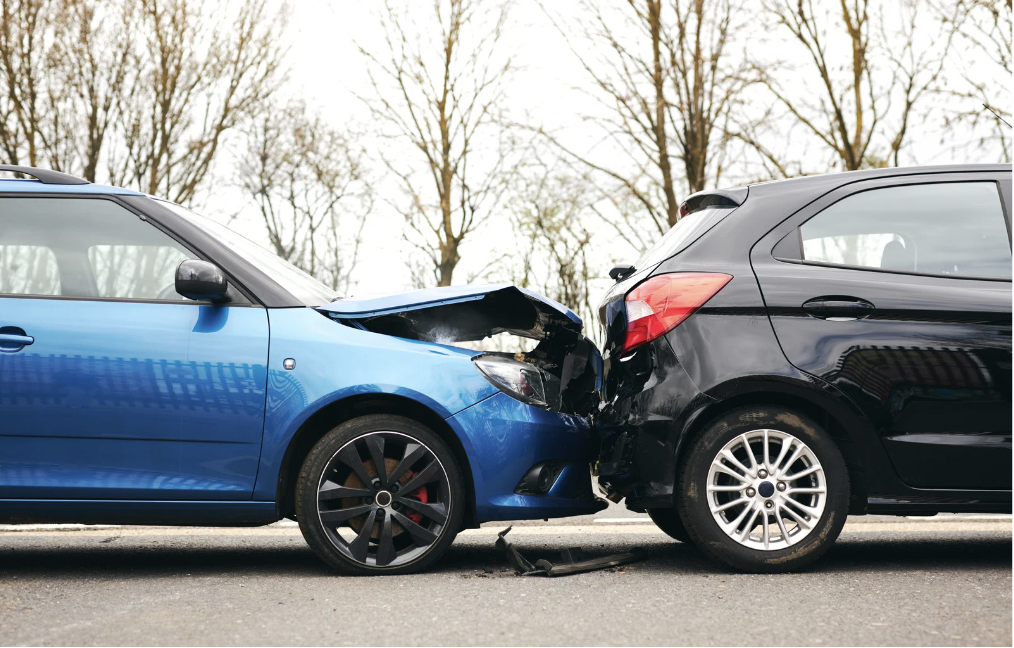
(421, 495)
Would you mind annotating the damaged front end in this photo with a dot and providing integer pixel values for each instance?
(561, 373)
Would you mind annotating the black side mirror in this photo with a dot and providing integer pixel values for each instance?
(196, 279)
(621, 272)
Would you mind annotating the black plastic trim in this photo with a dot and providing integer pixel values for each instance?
(45, 176)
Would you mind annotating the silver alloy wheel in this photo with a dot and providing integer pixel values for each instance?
(766, 489)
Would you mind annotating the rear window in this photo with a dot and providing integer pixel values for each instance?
(679, 237)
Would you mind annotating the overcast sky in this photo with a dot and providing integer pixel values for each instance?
(326, 70)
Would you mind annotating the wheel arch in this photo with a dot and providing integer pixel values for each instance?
(345, 409)
(849, 429)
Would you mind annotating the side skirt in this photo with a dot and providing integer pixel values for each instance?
(158, 512)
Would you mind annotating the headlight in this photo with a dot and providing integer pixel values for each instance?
(518, 380)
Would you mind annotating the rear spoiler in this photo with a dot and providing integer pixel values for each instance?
(714, 198)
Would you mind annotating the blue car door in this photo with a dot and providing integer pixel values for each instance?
(113, 386)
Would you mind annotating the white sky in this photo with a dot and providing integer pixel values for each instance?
(326, 69)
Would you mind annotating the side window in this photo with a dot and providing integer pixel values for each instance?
(939, 229)
(84, 247)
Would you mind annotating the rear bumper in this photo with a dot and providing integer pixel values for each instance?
(653, 401)
(503, 438)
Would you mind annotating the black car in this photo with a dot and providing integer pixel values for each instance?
(797, 351)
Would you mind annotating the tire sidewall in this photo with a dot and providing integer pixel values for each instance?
(320, 456)
(700, 522)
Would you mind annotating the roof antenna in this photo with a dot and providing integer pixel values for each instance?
(997, 115)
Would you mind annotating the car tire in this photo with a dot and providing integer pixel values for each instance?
(742, 514)
(669, 522)
(362, 522)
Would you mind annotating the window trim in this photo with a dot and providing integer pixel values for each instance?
(244, 301)
(815, 208)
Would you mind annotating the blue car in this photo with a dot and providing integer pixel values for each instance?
(157, 368)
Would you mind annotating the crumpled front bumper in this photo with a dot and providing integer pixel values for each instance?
(503, 438)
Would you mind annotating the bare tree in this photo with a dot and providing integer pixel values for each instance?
(438, 88)
(91, 58)
(25, 35)
(860, 111)
(550, 207)
(309, 184)
(984, 63)
(199, 76)
(666, 85)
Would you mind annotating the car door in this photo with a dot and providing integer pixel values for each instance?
(898, 292)
(112, 386)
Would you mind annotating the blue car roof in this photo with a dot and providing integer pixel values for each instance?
(361, 307)
(11, 185)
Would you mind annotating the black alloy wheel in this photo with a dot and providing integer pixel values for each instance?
(380, 494)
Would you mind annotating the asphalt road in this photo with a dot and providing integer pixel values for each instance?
(937, 581)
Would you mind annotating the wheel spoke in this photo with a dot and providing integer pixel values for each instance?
(781, 524)
(786, 446)
(361, 545)
(801, 491)
(436, 512)
(802, 473)
(375, 444)
(425, 476)
(331, 490)
(812, 512)
(385, 550)
(350, 457)
(732, 473)
(795, 455)
(749, 525)
(728, 456)
(420, 536)
(767, 453)
(343, 515)
(729, 505)
(750, 456)
(766, 530)
(798, 518)
(732, 526)
(413, 453)
(715, 488)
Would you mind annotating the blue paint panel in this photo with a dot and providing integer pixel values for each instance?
(430, 297)
(334, 361)
(503, 438)
(129, 400)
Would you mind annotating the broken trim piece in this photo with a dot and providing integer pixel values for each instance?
(573, 560)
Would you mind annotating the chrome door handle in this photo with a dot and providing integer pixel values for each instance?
(11, 342)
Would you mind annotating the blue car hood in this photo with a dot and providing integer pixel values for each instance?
(458, 313)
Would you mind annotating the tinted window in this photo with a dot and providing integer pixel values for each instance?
(941, 229)
(679, 237)
(82, 247)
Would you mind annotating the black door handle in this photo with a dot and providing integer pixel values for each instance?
(838, 308)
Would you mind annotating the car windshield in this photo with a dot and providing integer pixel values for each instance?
(301, 285)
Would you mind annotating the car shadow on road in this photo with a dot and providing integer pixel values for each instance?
(147, 562)
(255, 557)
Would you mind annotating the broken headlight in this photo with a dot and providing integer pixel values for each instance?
(518, 380)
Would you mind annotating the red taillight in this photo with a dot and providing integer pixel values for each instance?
(661, 303)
